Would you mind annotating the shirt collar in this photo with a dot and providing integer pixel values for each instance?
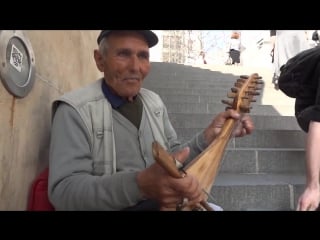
(115, 100)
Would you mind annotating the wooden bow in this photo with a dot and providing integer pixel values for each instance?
(205, 166)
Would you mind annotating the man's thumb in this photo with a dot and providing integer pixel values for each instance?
(182, 155)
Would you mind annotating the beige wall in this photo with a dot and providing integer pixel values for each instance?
(63, 61)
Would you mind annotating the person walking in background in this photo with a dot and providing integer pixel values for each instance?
(101, 138)
(315, 37)
(201, 58)
(287, 43)
(273, 42)
(235, 48)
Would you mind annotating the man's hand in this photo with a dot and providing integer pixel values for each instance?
(243, 127)
(155, 183)
(309, 200)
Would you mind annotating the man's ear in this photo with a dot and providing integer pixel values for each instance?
(99, 60)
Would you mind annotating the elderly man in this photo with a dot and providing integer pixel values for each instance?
(101, 155)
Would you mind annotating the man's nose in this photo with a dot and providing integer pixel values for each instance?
(135, 63)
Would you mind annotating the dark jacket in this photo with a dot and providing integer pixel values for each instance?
(307, 108)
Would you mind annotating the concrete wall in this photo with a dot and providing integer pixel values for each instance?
(64, 61)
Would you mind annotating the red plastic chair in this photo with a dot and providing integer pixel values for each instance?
(38, 198)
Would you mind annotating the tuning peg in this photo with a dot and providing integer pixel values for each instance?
(257, 88)
(254, 93)
(238, 84)
(258, 81)
(235, 90)
(231, 95)
(244, 76)
(227, 102)
(252, 85)
(241, 80)
(244, 108)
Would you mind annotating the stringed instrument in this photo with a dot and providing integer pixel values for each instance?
(205, 166)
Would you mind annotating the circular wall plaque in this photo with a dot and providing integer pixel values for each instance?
(17, 63)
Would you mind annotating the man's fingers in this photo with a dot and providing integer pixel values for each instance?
(168, 208)
(299, 207)
(305, 207)
(182, 155)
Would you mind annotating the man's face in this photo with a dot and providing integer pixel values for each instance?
(126, 63)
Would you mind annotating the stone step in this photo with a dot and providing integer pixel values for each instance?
(162, 72)
(169, 70)
(245, 192)
(191, 83)
(188, 91)
(276, 122)
(263, 161)
(212, 83)
(195, 98)
(214, 108)
(259, 139)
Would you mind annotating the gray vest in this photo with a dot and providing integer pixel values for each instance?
(96, 113)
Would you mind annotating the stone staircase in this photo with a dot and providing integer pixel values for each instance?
(263, 171)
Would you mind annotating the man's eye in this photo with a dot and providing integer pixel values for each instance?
(124, 54)
(144, 56)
